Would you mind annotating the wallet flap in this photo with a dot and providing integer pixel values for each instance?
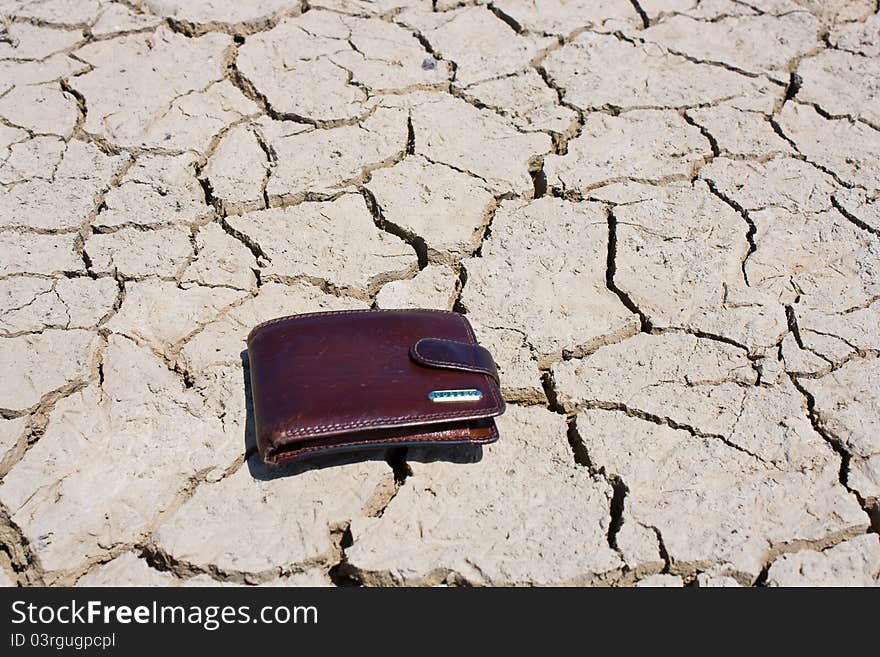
(454, 355)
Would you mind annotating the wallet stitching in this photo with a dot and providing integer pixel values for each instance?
(469, 367)
(295, 452)
(320, 429)
(350, 312)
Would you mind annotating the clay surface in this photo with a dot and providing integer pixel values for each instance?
(661, 216)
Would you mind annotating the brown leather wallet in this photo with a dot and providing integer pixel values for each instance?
(346, 380)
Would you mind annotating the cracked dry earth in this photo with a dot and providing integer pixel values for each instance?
(662, 216)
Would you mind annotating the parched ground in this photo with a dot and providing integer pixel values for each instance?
(662, 216)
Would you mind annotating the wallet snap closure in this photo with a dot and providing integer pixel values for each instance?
(454, 355)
